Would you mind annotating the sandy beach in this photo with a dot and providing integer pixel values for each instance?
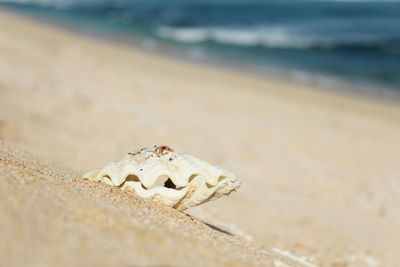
(320, 170)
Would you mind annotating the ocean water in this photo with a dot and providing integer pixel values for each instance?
(352, 41)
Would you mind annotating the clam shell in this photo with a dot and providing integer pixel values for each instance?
(177, 180)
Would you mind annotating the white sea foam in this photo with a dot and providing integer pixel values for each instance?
(268, 37)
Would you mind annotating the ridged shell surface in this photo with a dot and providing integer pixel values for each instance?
(177, 180)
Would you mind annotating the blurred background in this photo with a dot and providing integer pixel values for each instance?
(322, 42)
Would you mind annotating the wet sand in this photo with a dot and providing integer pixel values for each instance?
(320, 171)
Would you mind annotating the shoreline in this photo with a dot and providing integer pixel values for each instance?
(319, 170)
(321, 82)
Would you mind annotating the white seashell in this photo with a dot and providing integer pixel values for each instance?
(179, 181)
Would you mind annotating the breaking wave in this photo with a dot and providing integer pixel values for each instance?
(274, 38)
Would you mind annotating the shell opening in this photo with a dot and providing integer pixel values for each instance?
(191, 178)
(169, 184)
(209, 185)
(162, 181)
(132, 178)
